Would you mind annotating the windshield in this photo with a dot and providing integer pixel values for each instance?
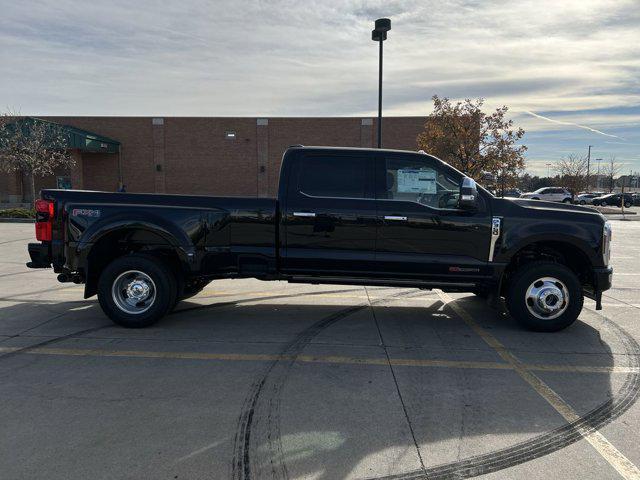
(540, 190)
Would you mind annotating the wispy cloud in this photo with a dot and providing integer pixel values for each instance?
(560, 122)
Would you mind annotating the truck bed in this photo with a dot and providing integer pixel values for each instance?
(235, 232)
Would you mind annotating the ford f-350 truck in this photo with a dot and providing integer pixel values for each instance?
(342, 216)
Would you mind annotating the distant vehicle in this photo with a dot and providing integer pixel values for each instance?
(550, 194)
(587, 198)
(614, 199)
(636, 198)
(513, 193)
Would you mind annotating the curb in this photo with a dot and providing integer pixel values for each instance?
(17, 220)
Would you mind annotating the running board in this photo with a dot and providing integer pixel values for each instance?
(386, 282)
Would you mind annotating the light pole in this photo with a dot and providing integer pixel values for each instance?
(379, 34)
(588, 165)
(598, 175)
(548, 170)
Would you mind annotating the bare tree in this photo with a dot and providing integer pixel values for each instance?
(611, 169)
(33, 147)
(573, 173)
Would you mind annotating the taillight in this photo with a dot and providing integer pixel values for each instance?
(44, 220)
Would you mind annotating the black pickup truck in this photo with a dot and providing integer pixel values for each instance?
(342, 216)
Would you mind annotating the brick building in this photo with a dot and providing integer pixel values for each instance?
(202, 155)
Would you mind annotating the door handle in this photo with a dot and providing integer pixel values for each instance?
(396, 218)
(304, 214)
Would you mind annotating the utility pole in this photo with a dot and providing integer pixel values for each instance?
(379, 34)
(588, 165)
(548, 170)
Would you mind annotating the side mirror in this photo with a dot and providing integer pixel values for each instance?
(468, 194)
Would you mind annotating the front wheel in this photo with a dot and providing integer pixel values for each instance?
(545, 296)
(566, 200)
(603, 203)
(136, 291)
(582, 202)
(627, 204)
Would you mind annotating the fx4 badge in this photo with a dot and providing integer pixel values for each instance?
(85, 212)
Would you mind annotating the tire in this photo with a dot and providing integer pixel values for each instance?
(148, 277)
(582, 202)
(566, 200)
(627, 205)
(550, 281)
(603, 203)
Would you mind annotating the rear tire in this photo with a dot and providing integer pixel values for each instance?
(544, 296)
(135, 291)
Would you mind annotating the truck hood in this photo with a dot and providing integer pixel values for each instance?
(554, 207)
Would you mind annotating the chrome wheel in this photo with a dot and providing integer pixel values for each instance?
(547, 298)
(133, 292)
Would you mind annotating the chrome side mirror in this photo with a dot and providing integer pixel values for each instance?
(468, 194)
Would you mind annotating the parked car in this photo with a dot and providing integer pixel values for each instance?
(614, 199)
(512, 193)
(550, 194)
(587, 198)
(342, 216)
(636, 198)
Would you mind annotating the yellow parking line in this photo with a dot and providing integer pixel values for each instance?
(611, 454)
(336, 359)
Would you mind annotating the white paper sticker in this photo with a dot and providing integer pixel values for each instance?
(417, 181)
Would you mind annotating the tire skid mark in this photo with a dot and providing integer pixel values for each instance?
(551, 441)
(539, 446)
(259, 420)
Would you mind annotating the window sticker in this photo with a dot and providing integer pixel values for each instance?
(417, 181)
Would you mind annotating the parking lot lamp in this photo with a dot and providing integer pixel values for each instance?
(379, 34)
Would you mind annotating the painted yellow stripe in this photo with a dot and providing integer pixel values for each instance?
(598, 441)
(242, 357)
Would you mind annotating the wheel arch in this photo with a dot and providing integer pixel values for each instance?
(568, 253)
(122, 240)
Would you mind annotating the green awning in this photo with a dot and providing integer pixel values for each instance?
(77, 138)
(90, 142)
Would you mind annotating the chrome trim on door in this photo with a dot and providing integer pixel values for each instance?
(396, 218)
(496, 224)
(304, 214)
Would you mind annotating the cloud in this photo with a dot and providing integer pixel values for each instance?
(315, 58)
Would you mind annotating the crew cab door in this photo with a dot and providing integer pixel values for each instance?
(329, 216)
(422, 233)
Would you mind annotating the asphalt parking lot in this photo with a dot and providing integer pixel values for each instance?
(278, 381)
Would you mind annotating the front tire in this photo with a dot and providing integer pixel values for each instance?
(545, 296)
(136, 291)
(566, 200)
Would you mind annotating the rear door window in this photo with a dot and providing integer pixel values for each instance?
(335, 176)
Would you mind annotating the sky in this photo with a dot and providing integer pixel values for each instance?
(568, 70)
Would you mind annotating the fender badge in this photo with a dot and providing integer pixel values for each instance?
(462, 269)
(84, 212)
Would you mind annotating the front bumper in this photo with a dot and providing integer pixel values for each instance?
(40, 255)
